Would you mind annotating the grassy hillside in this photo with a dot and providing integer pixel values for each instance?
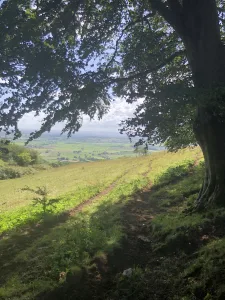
(107, 217)
(74, 183)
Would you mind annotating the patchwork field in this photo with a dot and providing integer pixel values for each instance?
(83, 149)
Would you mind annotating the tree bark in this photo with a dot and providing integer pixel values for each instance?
(207, 60)
(209, 128)
(197, 23)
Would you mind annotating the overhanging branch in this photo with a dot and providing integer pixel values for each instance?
(171, 11)
(138, 20)
(147, 71)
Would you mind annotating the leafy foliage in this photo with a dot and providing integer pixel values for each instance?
(9, 173)
(141, 150)
(16, 161)
(66, 59)
(24, 159)
(15, 154)
(42, 199)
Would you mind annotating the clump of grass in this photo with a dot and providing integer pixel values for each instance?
(174, 230)
(174, 173)
(205, 274)
(181, 192)
(131, 287)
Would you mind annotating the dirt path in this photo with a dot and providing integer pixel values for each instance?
(62, 217)
(13, 245)
(103, 193)
(135, 250)
(81, 206)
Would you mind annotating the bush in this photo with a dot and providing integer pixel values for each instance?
(9, 173)
(59, 164)
(23, 159)
(10, 152)
(34, 156)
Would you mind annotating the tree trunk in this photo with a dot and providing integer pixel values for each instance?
(197, 24)
(206, 57)
(209, 129)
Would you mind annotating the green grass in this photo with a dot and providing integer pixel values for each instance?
(187, 249)
(43, 254)
(68, 246)
(2, 163)
(66, 179)
(15, 219)
(70, 178)
(70, 185)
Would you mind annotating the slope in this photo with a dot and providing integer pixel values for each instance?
(133, 221)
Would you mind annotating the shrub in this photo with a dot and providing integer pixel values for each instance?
(34, 156)
(10, 152)
(9, 173)
(59, 164)
(23, 159)
(42, 198)
(15, 172)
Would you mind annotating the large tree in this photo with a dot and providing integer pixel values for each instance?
(70, 58)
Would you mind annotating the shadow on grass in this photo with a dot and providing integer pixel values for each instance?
(78, 257)
(14, 242)
(37, 257)
(136, 247)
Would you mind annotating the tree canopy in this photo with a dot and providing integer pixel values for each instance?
(69, 58)
(66, 59)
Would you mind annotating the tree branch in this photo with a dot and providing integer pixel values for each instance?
(171, 11)
(145, 18)
(147, 71)
(162, 9)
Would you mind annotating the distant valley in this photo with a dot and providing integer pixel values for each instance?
(83, 147)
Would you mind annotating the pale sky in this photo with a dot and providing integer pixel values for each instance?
(119, 111)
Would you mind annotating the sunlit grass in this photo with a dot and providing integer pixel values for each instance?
(70, 245)
(64, 179)
(80, 182)
(34, 261)
(76, 183)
